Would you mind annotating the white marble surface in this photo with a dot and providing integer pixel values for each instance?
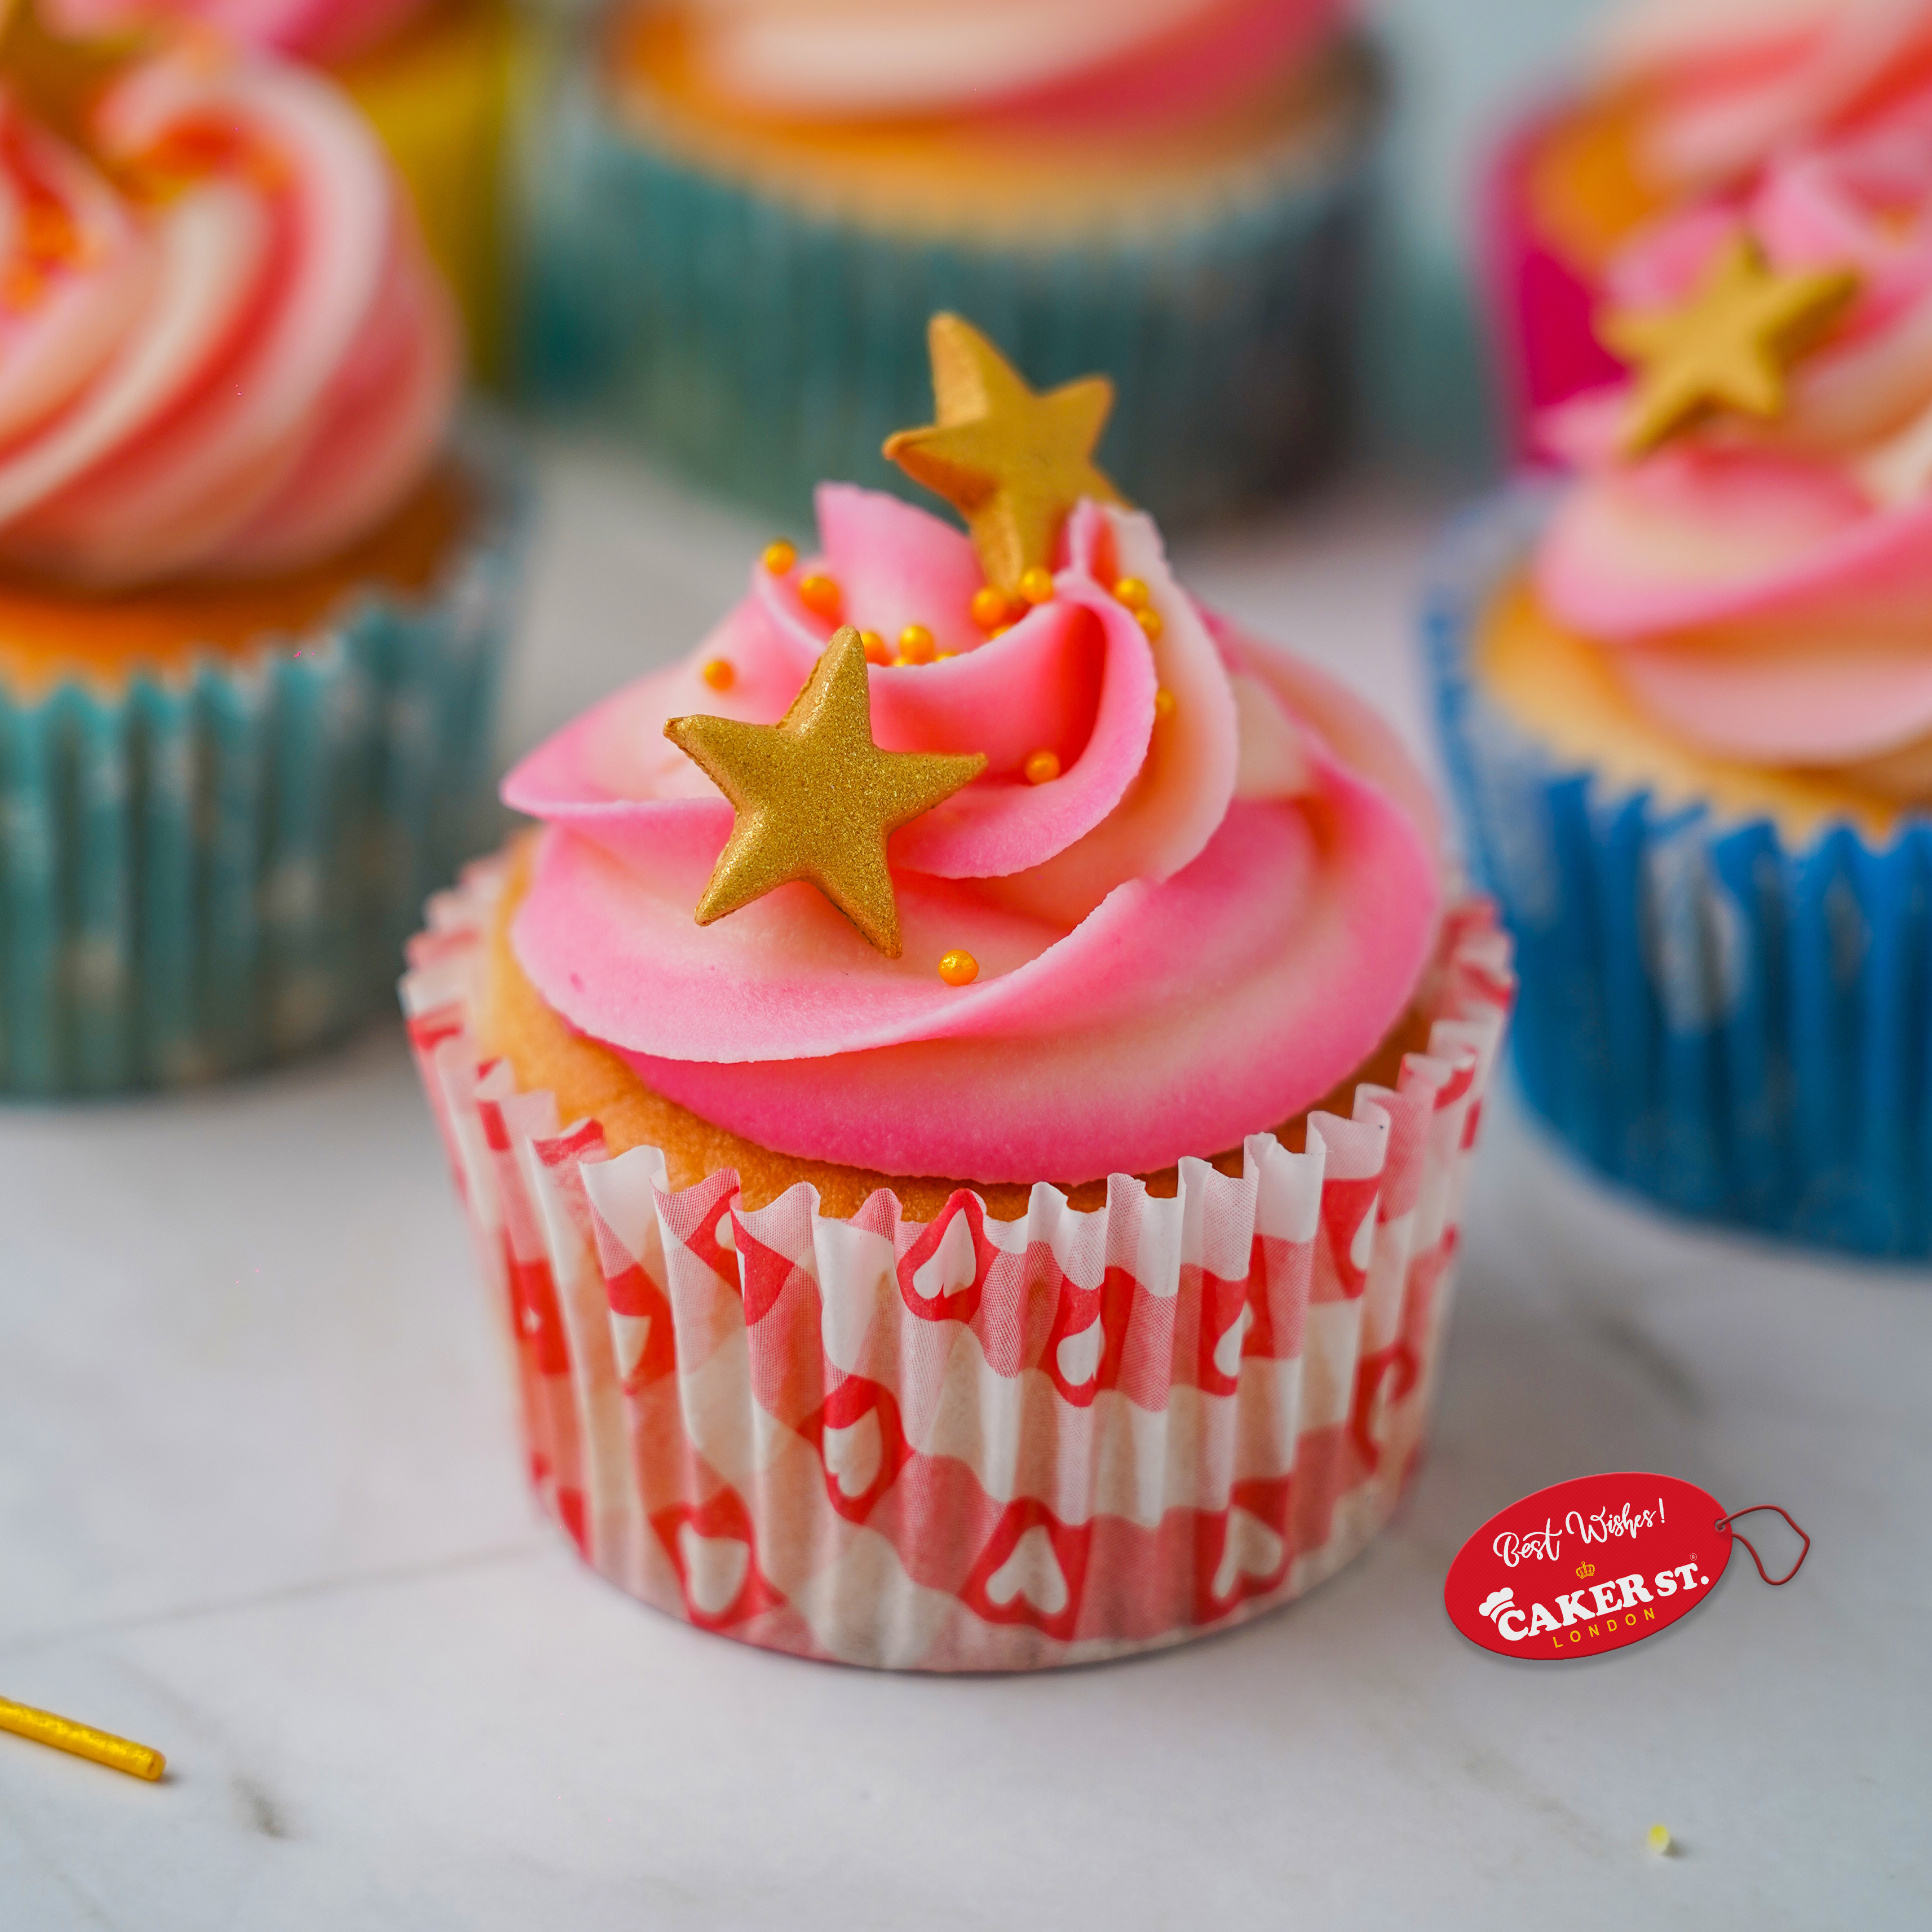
(259, 1506)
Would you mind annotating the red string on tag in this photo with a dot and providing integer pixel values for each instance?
(1727, 1522)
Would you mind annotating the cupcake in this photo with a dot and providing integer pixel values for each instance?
(1687, 102)
(963, 1102)
(434, 77)
(746, 208)
(251, 592)
(1688, 699)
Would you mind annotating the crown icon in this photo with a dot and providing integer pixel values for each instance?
(1586, 1569)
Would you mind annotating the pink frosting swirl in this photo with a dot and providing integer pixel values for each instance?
(316, 30)
(240, 375)
(1706, 93)
(1198, 929)
(1767, 587)
(1727, 83)
(856, 59)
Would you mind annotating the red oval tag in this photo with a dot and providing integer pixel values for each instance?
(1588, 1566)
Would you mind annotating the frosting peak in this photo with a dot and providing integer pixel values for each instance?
(222, 351)
(1214, 913)
(857, 59)
(1766, 585)
(1726, 84)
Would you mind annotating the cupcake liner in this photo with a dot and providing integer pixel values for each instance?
(761, 347)
(204, 871)
(967, 1445)
(1740, 1029)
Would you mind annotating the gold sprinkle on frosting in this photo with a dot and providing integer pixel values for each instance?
(820, 595)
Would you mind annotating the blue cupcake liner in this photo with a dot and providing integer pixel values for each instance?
(1740, 1030)
(205, 871)
(760, 347)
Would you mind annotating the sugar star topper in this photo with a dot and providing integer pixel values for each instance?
(1013, 462)
(1728, 346)
(815, 798)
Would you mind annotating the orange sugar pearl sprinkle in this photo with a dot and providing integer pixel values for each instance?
(1036, 584)
(958, 967)
(1149, 620)
(916, 645)
(718, 673)
(22, 285)
(192, 152)
(48, 233)
(779, 557)
(1132, 592)
(1163, 703)
(877, 651)
(1042, 767)
(820, 596)
(989, 607)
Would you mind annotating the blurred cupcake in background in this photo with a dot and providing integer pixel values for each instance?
(1689, 99)
(250, 592)
(1688, 706)
(436, 78)
(745, 210)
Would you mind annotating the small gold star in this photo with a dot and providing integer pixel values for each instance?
(815, 798)
(1728, 346)
(1011, 461)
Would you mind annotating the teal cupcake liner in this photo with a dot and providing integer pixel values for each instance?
(761, 347)
(203, 872)
(1737, 1027)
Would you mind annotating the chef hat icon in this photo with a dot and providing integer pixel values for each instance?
(1495, 1601)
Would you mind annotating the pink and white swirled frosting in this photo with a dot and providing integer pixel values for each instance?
(1727, 84)
(1204, 923)
(239, 374)
(857, 59)
(1766, 587)
(317, 30)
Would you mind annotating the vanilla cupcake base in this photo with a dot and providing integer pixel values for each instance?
(509, 1020)
(968, 1444)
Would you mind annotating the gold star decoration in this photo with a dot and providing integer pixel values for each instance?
(1011, 461)
(815, 798)
(1728, 346)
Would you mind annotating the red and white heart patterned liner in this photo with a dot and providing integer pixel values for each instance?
(970, 1445)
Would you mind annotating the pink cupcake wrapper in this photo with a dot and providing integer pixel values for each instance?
(967, 1445)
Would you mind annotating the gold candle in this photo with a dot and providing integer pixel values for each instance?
(82, 1740)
